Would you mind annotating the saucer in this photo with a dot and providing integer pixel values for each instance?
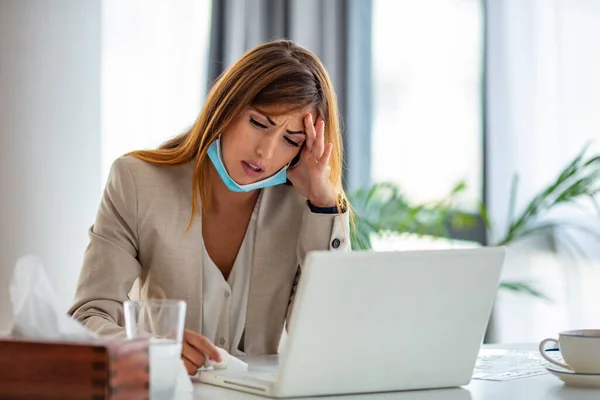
(571, 378)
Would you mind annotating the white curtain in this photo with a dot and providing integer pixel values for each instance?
(154, 66)
(543, 106)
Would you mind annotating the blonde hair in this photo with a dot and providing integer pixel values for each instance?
(277, 73)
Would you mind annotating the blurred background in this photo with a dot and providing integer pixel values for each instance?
(463, 123)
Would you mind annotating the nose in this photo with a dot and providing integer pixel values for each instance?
(266, 146)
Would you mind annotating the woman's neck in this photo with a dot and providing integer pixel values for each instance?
(223, 199)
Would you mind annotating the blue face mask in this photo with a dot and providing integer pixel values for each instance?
(214, 153)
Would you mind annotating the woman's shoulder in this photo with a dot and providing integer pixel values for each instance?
(141, 170)
(149, 178)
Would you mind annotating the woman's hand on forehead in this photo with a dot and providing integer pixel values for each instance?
(311, 176)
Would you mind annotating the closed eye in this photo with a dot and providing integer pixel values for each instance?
(257, 124)
(291, 142)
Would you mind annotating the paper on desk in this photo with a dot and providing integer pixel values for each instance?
(502, 365)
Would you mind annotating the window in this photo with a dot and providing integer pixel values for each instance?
(154, 65)
(427, 80)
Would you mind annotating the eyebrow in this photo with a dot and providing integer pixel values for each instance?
(274, 124)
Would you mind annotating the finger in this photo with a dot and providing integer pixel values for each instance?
(324, 161)
(202, 344)
(310, 132)
(189, 366)
(192, 354)
(206, 347)
(319, 146)
(305, 153)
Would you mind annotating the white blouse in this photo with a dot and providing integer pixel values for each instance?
(224, 302)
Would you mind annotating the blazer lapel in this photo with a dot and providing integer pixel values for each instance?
(193, 240)
(273, 270)
(193, 264)
(258, 275)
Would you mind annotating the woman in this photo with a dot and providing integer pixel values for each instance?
(223, 215)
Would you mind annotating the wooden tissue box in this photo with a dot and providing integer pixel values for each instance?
(91, 370)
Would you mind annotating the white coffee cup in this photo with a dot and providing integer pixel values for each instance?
(580, 350)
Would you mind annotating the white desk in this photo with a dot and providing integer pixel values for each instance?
(542, 387)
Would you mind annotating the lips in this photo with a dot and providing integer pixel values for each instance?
(252, 168)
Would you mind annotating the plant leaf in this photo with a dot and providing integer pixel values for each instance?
(523, 287)
(382, 208)
(513, 198)
(578, 180)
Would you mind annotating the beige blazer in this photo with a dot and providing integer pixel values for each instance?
(140, 232)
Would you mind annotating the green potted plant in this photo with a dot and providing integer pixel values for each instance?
(381, 209)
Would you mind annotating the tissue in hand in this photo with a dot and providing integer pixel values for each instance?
(35, 308)
(227, 361)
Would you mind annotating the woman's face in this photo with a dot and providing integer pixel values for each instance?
(259, 143)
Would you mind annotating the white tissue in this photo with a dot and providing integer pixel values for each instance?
(35, 308)
(227, 361)
(37, 314)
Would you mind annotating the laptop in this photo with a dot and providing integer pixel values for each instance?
(367, 322)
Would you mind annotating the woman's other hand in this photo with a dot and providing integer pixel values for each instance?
(194, 350)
